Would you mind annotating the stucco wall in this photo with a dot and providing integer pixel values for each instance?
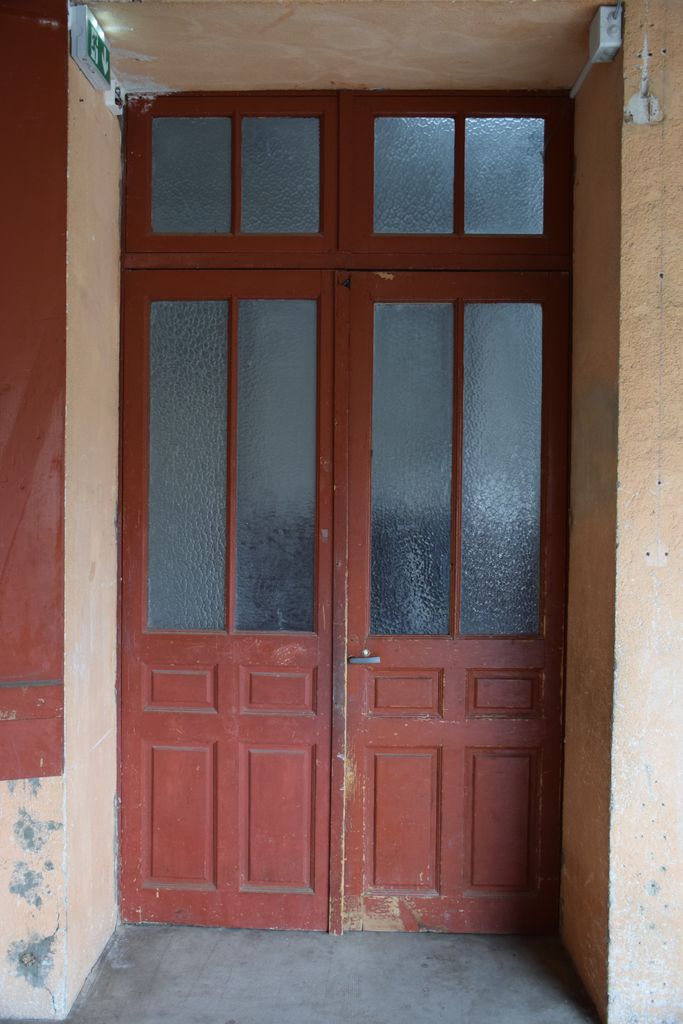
(32, 912)
(646, 836)
(91, 473)
(592, 551)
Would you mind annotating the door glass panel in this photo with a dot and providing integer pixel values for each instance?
(280, 175)
(414, 161)
(504, 175)
(191, 173)
(501, 473)
(276, 464)
(187, 465)
(412, 448)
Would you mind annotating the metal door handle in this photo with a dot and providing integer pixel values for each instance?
(365, 659)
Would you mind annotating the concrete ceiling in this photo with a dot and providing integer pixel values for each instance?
(194, 45)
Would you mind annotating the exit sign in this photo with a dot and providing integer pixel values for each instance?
(98, 48)
(89, 47)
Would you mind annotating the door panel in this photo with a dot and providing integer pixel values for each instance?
(227, 493)
(453, 731)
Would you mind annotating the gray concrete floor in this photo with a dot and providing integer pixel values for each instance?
(155, 974)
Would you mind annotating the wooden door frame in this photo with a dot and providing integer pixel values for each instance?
(339, 260)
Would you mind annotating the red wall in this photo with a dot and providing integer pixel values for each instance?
(33, 56)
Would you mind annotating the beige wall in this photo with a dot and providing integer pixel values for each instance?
(92, 372)
(623, 836)
(646, 835)
(32, 913)
(592, 552)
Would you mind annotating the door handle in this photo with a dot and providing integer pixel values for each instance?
(365, 659)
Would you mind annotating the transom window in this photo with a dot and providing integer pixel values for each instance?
(355, 173)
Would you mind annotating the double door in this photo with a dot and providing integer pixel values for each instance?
(344, 500)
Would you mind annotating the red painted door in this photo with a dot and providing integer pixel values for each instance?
(226, 623)
(407, 509)
(457, 414)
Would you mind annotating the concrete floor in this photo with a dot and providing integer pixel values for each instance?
(154, 974)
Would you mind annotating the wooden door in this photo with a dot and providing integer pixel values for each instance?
(421, 790)
(457, 469)
(226, 627)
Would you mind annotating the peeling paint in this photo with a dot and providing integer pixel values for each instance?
(384, 915)
(349, 778)
(33, 958)
(644, 107)
(26, 883)
(142, 86)
(31, 833)
(353, 913)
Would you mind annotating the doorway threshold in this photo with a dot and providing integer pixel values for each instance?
(161, 974)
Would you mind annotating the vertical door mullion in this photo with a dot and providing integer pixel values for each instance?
(459, 175)
(236, 173)
(360, 439)
(324, 514)
(230, 554)
(458, 420)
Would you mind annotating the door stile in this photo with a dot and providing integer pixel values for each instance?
(338, 769)
(133, 371)
(557, 389)
(557, 380)
(360, 346)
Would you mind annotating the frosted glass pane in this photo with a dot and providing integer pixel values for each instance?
(414, 160)
(501, 473)
(191, 172)
(187, 465)
(412, 448)
(276, 464)
(504, 175)
(280, 175)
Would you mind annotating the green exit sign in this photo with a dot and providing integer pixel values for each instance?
(89, 47)
(98, 48)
